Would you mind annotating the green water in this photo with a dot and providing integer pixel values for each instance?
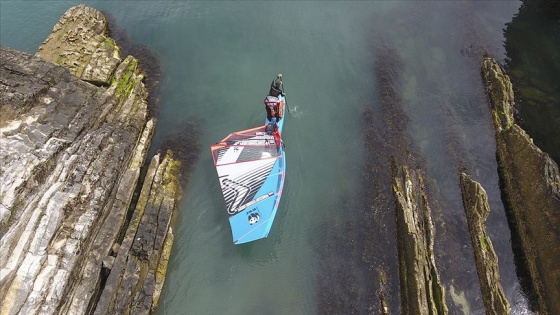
(533, 63)
(218, 58)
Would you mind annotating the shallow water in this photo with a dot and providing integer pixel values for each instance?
(218, 59)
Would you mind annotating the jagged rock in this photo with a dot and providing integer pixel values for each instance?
(108, 262)
(500, 91)
(80, 43)
(62, 167)
(475, 202)
(421, 288)
(136, 279)
(531, 182)
(102, 243)
(71, 157)
(115, 249)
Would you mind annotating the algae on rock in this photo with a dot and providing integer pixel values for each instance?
(80, 43)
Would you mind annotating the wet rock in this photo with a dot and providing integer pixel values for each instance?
(476, 206)
(421, 289)
(71, 158)
(530, 181)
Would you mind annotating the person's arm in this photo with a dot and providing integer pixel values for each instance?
(279, 77)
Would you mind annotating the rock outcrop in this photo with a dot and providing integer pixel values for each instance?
(138, 271)
(421, 289)
(80, 43)
(531, 186)
(71, 159)
(475, 202)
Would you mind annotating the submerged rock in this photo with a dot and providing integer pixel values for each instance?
(531, 186)
(71, 158)
(475, 202)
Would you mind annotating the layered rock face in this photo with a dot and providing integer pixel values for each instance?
(71, 158)
(138, 271)
(475, 202)
(531, 185)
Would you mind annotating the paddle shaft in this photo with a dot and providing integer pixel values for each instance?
(285, 98)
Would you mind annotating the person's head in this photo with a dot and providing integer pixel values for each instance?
(278, 83)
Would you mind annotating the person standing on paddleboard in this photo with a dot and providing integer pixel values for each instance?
(273, 105)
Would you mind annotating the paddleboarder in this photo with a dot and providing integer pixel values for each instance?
(276, 86)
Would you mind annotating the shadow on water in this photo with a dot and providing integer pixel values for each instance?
(185, 144)
(149, 61)
(185, 140)
(532, 43)
(384, 139)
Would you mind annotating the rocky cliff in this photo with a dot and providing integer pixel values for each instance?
(531, 188)
(475, 202)
(74, 135)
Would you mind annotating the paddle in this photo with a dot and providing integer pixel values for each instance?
(285, 98)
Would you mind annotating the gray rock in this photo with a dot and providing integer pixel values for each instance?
(136, 280)
(64, 158)
(108, 262)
